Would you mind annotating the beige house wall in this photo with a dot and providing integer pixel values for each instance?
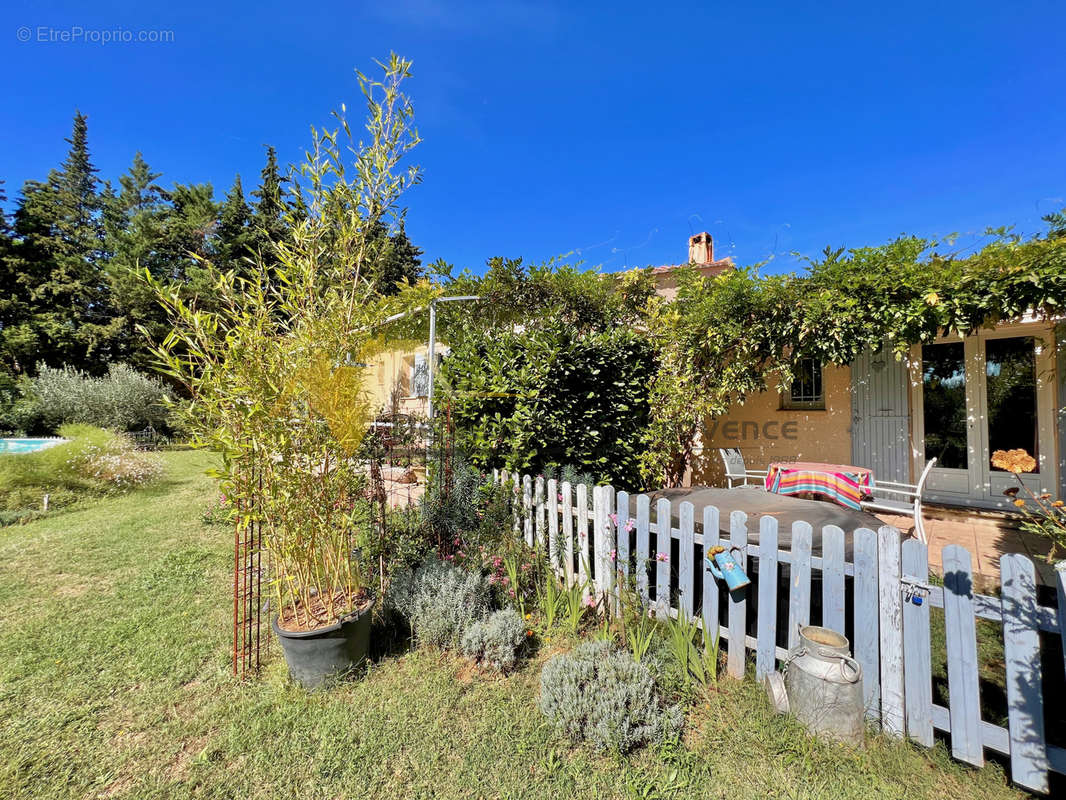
(391, 372)
(766, 432)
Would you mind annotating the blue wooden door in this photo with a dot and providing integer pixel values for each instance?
(880, 416)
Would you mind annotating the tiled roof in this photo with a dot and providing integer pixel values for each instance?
(720, 265)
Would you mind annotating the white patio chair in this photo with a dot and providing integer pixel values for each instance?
(735, 469)
(903, 498)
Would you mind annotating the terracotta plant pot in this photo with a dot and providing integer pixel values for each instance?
(322, 656)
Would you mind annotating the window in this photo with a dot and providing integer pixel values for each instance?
(419, 380)
(806, 388)
(944, 403)
(1010, 388)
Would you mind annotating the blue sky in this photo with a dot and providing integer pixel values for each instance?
(609, 131)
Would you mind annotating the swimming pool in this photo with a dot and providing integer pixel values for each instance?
(26, 445)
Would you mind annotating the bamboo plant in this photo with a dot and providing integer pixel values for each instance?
(276, 370)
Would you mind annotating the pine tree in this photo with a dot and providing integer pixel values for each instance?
(268, 217)
(188, 236)
(12, 300)
(27, 266)
(135, 221)
(234, 236)
(68, 318)
(396, 259)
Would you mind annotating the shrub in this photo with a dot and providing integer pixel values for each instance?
(497, 640)
(570, 474)
(544, 396)
(602, 696)
(122, 400)
(440, 601)
(92, 461)
(470, 512)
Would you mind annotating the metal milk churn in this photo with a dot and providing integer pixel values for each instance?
(821, 686)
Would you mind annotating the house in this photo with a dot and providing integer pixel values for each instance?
(955, 399)
(700, 257)
(399, 381)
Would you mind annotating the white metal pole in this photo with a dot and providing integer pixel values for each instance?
(433, 345)
(432, 360)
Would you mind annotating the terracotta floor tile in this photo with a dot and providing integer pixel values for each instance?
(985, 539)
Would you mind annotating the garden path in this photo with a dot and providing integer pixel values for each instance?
(987, 535)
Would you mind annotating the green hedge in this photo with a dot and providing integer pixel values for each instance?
(536, 400)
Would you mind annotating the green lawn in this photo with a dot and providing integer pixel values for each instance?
(114, 682)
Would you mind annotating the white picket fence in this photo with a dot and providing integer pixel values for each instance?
(889, 631)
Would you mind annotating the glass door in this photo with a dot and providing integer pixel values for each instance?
(990, 391)
(946, 424)
(1011, 409)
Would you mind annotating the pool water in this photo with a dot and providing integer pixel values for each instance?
(26, 445)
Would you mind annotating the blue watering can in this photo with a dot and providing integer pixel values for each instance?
(726, 568)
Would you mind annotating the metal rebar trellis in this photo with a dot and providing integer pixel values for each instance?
(247, 581)
(393, 456)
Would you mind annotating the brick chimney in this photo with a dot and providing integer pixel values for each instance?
(701, 249)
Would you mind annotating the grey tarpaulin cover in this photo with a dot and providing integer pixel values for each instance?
(757, 504)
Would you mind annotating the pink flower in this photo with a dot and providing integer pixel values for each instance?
(560, 497)
(662, 557)
(590, 602)
(506, 581)
(630, 525)
(614, 555)
(614, 518)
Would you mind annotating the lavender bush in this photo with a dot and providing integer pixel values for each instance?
(497, 640)
(601, 695)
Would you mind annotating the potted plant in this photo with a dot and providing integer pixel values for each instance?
(276, 371)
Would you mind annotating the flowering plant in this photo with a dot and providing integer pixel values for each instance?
(1043, 516)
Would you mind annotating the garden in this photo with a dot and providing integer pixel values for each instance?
(115, 663)
(433, 650)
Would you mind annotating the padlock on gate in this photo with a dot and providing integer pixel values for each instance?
(914, 590)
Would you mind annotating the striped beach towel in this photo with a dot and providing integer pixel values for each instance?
(842, 484)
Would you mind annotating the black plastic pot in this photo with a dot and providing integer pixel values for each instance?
(319, 656)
